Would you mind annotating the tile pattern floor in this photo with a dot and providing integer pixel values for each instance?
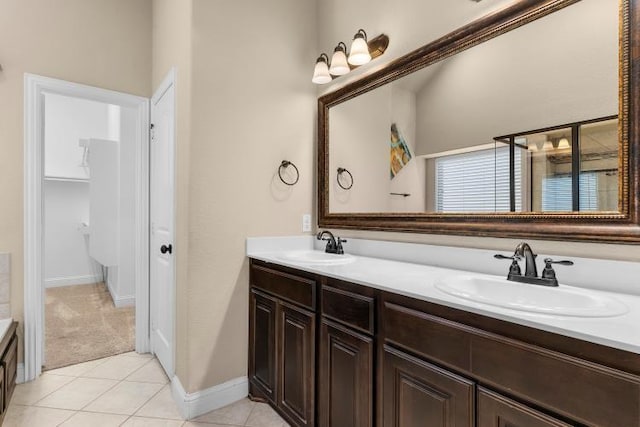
(129, 390)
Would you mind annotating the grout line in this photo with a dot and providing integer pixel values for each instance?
(101, 394)
(137, 369)
(53, 391)
(68, 418)
(148, 400)
(253, 407)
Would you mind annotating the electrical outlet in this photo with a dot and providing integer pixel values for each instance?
(306, 223)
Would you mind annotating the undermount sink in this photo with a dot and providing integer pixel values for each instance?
(317, 258)
(559, 301)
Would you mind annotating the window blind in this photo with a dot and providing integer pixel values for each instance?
(556, 192)
(477, 181)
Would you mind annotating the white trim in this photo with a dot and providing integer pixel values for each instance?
(56, 282)
(120, 301)
(167, 82)
(34, 89)
(192, 405)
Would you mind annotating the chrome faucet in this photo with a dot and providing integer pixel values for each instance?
(523, 250)
(334, 244)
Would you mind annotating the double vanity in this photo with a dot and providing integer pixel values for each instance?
(357, 340)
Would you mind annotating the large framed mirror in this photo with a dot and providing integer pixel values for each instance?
(524, 123)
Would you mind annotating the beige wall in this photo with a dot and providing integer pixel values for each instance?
(360, 133)
(252, 105)
(405, 23)
(104, 43)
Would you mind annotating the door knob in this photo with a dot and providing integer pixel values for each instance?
(164, 248)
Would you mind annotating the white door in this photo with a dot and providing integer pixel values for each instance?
(161, 251)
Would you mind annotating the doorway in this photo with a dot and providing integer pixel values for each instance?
(89, 211)
(86, 182)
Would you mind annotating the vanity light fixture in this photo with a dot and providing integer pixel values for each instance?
(359, 52)
(362, 51)
(321, 72)
(339, 66)
(563, 144)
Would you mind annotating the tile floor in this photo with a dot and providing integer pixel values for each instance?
(129, 390)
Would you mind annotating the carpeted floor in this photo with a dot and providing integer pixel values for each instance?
(82, 323)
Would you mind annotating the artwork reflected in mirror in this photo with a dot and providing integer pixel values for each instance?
(523, 122)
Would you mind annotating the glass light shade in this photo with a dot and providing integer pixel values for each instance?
(321, 73)
(547, 146)
(533, 148)
(563, 144)
(359, 53)
(339, 64)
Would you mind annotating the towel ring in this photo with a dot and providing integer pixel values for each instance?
(285, 164)
(340, 172)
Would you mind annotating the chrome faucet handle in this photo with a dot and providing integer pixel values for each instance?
(514, 268)
(339, 248)
(549, 261)
(513, 257)
(549, 273)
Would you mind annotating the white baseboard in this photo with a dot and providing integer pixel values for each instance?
(127, 301)
(120, 301)
(72, 280)
(192, 405)
(20, 373)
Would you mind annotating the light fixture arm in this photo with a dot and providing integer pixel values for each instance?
(323, 57)
(361, 34)
(341, 46)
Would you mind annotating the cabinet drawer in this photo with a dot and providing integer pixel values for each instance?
(352, 309)
(296, 289)
(427, 335)
(495, 410)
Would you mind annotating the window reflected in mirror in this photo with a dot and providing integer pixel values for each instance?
(599, 166)
(573, 168)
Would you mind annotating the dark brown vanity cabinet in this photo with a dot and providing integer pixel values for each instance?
(282, 343)
(262, 358)
(8, 367)
(417, 393)
(375, 358)
(346, 356)
(296, 363)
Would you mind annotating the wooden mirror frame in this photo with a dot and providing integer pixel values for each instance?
(610, 227)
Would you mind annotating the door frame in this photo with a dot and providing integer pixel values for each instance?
(35, 87)
(168, 81)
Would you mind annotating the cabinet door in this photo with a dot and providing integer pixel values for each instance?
(495, 410)
(345, 376)
(10, 368)
(418, 394)
(296, 363)
(262, 344)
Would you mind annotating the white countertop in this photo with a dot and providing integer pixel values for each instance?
(417, 281)
(4, 326)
